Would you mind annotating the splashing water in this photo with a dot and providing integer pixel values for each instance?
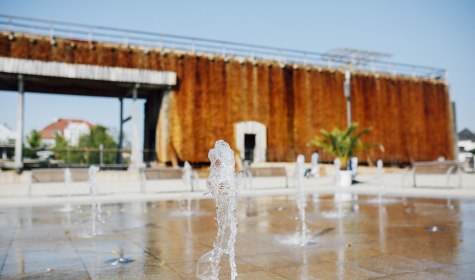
(93, 190)
(379, 165)
(95, 205)
(301, 237)
(67, 182)
(381, 199)
(336, 174)
(224, 187)
(190, 179)
(247, 175)
(301, 201)
(315, 172)
(189, 176)
(68, 178)
(121, 259)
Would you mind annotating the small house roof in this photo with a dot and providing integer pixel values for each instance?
(50, 130)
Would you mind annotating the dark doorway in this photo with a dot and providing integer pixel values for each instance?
(249, 145)
(152, 110)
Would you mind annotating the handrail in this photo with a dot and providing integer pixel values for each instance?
(145, 39)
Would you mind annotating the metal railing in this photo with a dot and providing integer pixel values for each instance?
(107, 158)
(169, 42)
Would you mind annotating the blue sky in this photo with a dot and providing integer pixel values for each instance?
(433, 33)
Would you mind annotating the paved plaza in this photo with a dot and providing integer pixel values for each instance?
(426, 233)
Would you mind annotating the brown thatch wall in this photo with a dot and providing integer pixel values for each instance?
(410, 117)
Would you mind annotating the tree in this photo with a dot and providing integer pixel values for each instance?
(92, 142)
(34, 144)
(34, 140)
(88, 149)
(60, 147)
(343, 144)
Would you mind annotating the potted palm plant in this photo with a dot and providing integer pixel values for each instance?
(343, 144)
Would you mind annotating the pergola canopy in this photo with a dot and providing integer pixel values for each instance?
(80, 79)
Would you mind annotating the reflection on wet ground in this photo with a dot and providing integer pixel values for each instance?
(412, 239)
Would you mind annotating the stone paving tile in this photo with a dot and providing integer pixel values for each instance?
(54, 275)
(392, 264)
(173, 255)
(371, 241)
(444, 257)
(266, 261)
(45, 270)
(324, 270)
(253, 275)
(188, 269)
(443, 273)
(134, 271)
(43, 259)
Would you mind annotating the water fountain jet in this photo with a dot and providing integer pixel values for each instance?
(315, 169)
(95, 205)
(247, 175)
(121, 259)
(224, 187)
(301, 238)
(299, 175)
(189, 178)
(67, 182)
(381, 199)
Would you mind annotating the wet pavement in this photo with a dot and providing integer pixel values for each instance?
(412, 238)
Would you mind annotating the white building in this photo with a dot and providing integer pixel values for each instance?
(70, 129)
(7, 136)
(466, 143)
(7, 141)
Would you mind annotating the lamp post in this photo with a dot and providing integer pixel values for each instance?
(347, 92)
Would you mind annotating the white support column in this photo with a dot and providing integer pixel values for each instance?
(347, 92)
(20, 117)
(136, 156)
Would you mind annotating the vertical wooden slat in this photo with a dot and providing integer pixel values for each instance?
(411, 117)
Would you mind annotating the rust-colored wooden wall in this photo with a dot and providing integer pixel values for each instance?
(411, 117)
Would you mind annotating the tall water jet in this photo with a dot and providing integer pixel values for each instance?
(223, 186)
(67, 182)
(301, 238)
(247, 175)
(381, 187)
(353, 167)
(314, 170)
(95, 205)
(336, 172)
(301, 201)
(93, 188)
(189, 178)
(379, 167)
